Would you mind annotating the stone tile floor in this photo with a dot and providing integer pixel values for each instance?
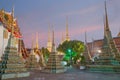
(71, 74)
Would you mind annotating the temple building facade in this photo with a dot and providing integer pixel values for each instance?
(6, 21)
(96, 45)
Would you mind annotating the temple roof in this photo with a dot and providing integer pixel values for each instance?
(99, 43)
(7, 20)
(118, 34)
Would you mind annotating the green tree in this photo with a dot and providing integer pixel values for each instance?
(76, 47)
(45, 53)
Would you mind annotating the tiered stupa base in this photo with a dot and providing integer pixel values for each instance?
(12, 65)
(14, 75)
(31, 63)
(54, 64)
(104, 68)
(110, 66)
(55, 70)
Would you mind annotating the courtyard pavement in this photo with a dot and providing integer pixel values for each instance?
(71, 74)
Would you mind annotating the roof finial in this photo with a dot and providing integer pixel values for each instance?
(104, 26)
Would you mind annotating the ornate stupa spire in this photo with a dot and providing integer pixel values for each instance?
(37, 45)
(49, 43)
(109, 50)
(11, 42)
(49, 34)
(49, 38)
(87, 48)
(67, 33)
(12, 23)
(31, 61)
(106, 19)
(36, 49)
(62, 39)
(107, 32)
(32, 46)
(12, 26)
(54, 62)
(108, 42)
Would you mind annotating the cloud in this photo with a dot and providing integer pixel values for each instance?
(83, 11)
(77, 31)
(42, 39)
(35, 21)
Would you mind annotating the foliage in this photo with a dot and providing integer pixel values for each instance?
(72, 49)
(45, 53)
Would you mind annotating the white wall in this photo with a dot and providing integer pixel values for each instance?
(3, 42)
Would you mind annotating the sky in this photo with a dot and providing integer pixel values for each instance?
(83, 15)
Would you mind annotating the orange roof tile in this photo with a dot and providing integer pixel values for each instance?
(7, 20)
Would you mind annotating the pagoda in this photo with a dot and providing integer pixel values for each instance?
(12, 65)
(31, 61)
(38, 54)
(67, 37)
(49, 43)
(109, 59)
(54, 62)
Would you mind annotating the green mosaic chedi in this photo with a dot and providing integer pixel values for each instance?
(109, 59)
(31, 62)
(54, 63)
(12, 65)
